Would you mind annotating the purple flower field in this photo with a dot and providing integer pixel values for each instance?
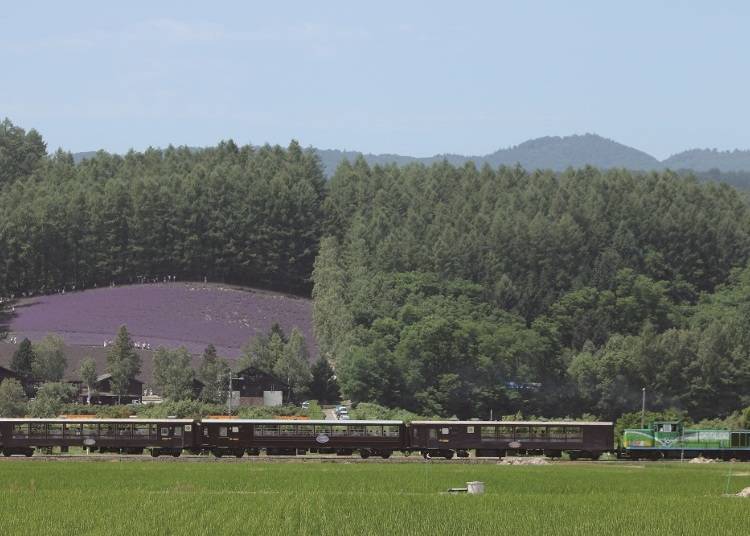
(170, 314)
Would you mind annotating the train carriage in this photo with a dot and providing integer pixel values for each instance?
(159, 436)
(498, 438)
(275, 436)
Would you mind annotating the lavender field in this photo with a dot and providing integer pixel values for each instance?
(169, 314)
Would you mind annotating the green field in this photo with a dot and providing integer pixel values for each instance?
(142, 497)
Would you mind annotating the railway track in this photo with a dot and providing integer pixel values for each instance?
(191, 458)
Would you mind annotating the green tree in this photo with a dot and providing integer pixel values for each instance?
(12, 399)
(20, 152)
(293, 364)
(173, 374)
(23, 359)
(323, 384)
(263, 352)
(213, 372)
(123, 362)
(50, 399)
(87, 373)
(50, 362)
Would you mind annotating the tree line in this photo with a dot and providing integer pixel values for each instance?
(241, 215)
(442, 290)
(460, 291)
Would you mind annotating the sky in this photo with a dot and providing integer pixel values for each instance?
(416, 78)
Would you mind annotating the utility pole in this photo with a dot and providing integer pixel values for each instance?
(643, 408)
(229, 392)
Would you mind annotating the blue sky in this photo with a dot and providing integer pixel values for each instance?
(415, 78)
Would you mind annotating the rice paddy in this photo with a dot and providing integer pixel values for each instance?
(142, 497)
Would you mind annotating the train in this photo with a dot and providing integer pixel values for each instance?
(238, 437)
(366, 438)
(672, 440)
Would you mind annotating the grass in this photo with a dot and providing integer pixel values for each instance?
(134, 497)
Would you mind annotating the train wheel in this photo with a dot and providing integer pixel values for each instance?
(29, 453)
(364, 454)
(155, 453)
(448, 455)
(176, 453)
(239, 453)
(217, 453)
(385, 455)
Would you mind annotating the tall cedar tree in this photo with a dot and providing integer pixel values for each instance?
(323, 386)
(23, 359)
(123, 363)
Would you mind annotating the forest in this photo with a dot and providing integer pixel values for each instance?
(437, 289)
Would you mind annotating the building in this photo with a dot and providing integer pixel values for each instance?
(101, 392)
(259, 388)
(6, 374)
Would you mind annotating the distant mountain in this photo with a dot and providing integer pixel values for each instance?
(555, 153)
(709, 159)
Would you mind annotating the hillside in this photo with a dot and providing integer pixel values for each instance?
(170, 315)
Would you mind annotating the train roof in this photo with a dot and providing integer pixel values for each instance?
(97, 420)
(518, 423)
(302, 421)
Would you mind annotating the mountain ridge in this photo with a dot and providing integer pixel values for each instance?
(552, 152)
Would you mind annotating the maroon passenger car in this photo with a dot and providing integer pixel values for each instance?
(159, 436)
(498, 438)
(280, 436)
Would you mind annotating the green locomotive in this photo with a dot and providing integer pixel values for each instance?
(670, 439)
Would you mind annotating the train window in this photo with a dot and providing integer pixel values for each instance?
(505, 432)
(469, 429)
(165, 431)
(539, 433)
(223, 430)
(305, 430)
(20, 431)
(445, 431)
(323, 429)
(338, 430)
(267, 430)
(123, 430)
(89, 430)
(522, 432)
(358, 430)
(37, 429)
(141, 430)
(573, 433)
(54, 429)
(286, 430)
(390, 431)
(108, 430)
(433, 433)
(488, 432)
(205, 431)
(72, 430)
(556, 433)
(374, 431)
(178, 431)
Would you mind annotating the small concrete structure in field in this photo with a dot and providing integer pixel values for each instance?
(474, 487)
